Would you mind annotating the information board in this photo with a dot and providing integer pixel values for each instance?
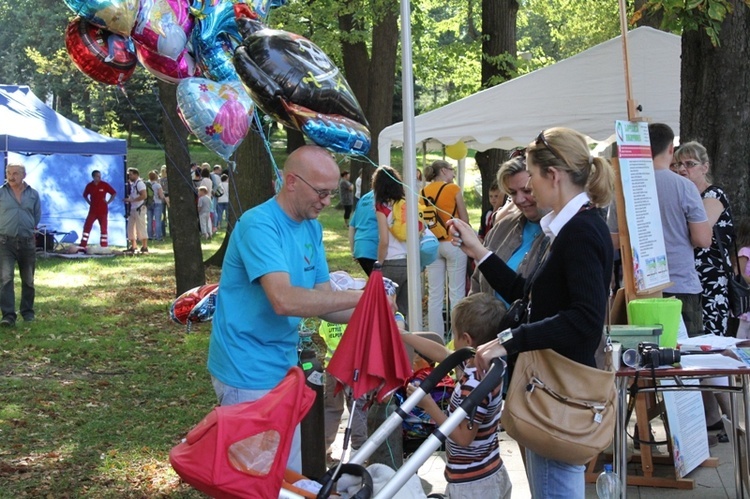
(641, 205)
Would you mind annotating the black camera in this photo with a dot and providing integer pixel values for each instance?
(653, 356)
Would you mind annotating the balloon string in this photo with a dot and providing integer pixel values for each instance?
(267, 145)
(406, 187)
(189, 182)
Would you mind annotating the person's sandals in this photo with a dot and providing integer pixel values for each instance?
(144, 250)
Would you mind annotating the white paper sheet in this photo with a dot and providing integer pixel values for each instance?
(710, 361)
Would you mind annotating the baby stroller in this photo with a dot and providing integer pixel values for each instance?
(241, 451)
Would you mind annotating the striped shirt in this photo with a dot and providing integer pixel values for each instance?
(482, 458)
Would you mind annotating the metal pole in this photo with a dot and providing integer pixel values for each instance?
(413, 267)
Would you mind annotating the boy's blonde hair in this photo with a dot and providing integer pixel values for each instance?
(203, 188)
(479, 315)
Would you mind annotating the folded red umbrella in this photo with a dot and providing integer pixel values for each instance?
(371, 355)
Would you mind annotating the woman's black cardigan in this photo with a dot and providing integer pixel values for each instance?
(569, 294)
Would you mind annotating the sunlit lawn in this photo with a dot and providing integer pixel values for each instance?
(103, 384)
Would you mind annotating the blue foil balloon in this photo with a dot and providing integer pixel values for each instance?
(204, 310)
(219, 114)
(214, 38)
(117, 16)
(263, 7)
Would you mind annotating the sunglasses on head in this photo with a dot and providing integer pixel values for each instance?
(540, 139)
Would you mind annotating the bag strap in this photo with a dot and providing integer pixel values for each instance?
(717, 236)
(433, 202)
(540, 261)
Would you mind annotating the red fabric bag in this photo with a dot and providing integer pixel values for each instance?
(241, 451)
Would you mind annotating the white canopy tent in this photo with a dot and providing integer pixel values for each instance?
(585, 92)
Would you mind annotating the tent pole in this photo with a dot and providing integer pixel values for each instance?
(410, 173)
(631, 103)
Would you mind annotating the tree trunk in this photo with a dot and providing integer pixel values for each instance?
(183, 213)
(498, 54)
(382, 75)
(714, 103)
(250, 184)
(294, 139)
(650, 17)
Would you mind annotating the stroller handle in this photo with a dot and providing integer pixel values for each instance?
(445, 367)
(491, 380)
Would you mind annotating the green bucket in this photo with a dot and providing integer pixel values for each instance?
(664, 311)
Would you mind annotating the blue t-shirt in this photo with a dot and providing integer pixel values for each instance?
(530, 231)
(252, 347)
(366, 224)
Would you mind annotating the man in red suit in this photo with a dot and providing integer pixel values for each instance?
(95, 195)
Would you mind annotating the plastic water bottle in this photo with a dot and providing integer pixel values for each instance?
(608, 484)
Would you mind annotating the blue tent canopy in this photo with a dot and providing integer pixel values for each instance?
(59, 156)
(28, 125)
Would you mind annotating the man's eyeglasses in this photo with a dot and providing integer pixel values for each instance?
(322, 193)
(684, 164)
(542, 140)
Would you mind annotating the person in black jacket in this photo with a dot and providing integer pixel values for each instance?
(569, 294)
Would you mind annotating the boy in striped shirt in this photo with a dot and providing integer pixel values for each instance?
(474, 468)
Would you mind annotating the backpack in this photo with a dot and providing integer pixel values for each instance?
(397, 220)
(149, 194)
(218, 190)
(428, 213)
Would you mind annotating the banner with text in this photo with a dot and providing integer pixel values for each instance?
(641, 205)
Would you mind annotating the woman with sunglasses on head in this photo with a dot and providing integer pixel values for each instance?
(449, 268)
(570, 290)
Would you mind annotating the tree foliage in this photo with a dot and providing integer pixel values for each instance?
(690, 15)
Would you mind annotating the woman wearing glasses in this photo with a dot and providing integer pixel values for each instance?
(691, 161)
(570, 289)
(451, 262)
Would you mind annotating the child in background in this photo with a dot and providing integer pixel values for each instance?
(496, 201)
(474, 468)
(743, 264)
(204, 212)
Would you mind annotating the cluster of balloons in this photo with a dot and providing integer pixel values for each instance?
(224, 61)
(195, 305)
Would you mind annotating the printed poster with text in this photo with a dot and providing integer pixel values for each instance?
(641, 205)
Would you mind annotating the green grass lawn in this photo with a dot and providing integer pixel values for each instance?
(103, 384)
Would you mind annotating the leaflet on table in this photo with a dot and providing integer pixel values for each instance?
(710, 361)
(743, 353)
(708, 342)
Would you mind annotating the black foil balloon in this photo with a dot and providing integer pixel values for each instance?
(283, 71)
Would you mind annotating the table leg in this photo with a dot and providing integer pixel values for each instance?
(746, 407)
(621, 440)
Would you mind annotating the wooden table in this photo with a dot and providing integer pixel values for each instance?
(626, 375)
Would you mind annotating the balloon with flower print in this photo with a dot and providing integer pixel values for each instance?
(219, 114)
